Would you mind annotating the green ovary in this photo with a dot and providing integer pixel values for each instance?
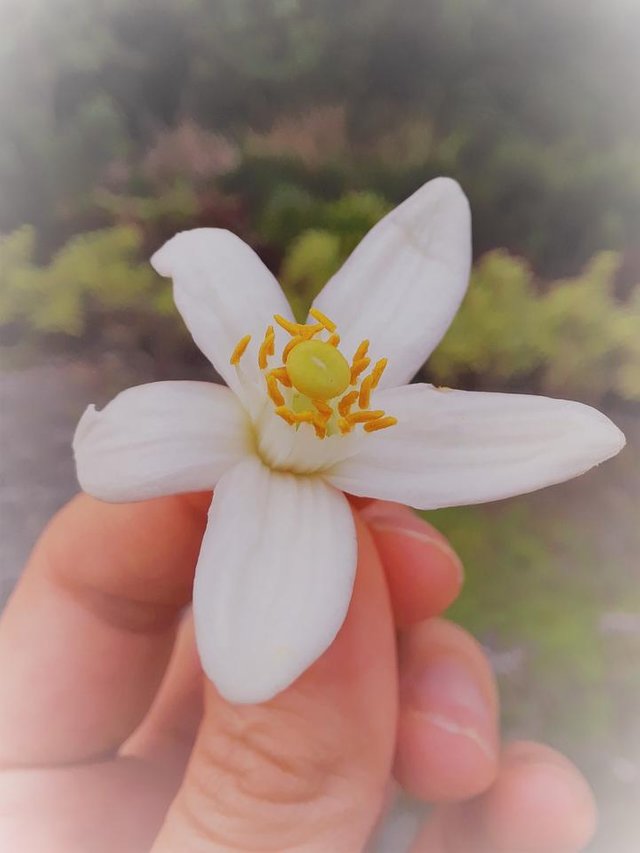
(318, 370)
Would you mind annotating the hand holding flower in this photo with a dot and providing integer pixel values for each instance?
(111, 740)
(333, 414)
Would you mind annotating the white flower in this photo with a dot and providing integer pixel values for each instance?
(277, 563)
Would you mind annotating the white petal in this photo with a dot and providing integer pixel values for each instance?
(160, 439)
(273, 581)
(459, 447)
(224, 292)
(403, 284)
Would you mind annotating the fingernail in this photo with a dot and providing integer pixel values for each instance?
(447, 692)
(403, 522)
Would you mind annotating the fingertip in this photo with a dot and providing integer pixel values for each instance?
(539, 802)
(447, 734)
(424, 573)
(440, 760)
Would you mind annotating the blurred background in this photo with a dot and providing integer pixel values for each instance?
(298, 124)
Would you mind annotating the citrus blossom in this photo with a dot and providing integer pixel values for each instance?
(312, 411)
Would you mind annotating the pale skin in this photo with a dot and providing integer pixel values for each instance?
(111, 740)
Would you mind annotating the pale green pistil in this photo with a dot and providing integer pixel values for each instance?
(318, 370)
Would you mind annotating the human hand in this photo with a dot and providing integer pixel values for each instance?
(111, 740)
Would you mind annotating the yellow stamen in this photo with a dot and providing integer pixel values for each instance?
(361, 352)
(365, 417)
(239, 350)
(347, 401)
(287, 325)
(365, 392)
(377, 372)
(298, 329)
(358, 367)
(380, 423)
(319, 426)
(274, 391)
(320, 374)
(267, 348)
(328, 324)
(280, 373)
(304, 417)
(292, 343)
(324, 408)
(286, 414)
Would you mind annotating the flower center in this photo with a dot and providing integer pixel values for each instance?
(314, 372)
(318, 370)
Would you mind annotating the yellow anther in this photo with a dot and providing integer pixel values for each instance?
(380, 423)
(323, 408)
(344, 426)
(267, 348)
(274, 391)
(328, 324)
(291, 417)
(365, 417)
(239, 350)
(377, 372)
(292, 343)
(361, 352)
(334, 340)
(358, 367)
(282, 376)
(298, 329)
(320, 426)
(347, 401)
(286, 414)
(287, 325)
(365, 392)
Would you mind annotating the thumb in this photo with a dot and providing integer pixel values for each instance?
(308, 770)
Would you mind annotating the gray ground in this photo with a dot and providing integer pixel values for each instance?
(38, 409)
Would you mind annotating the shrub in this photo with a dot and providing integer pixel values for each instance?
(98, 273)
(572, 337)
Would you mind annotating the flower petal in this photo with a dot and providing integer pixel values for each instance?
(160, 439)
(224, 292)
(273, 581)
(459, 447)
(403, 284)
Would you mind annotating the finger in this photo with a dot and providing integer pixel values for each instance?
(101, 807)
(448, 724)
(138, 786)
(539, 803)
(309, 769)
(85, 639)
(166, 735)
(424, 574)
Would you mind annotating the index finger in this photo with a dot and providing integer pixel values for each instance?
(86, 636)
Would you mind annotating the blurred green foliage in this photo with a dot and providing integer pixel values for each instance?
(298, 124)
(178, 204)
(94, 275)
(525, 608)
(530, 105)
(572, 336)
